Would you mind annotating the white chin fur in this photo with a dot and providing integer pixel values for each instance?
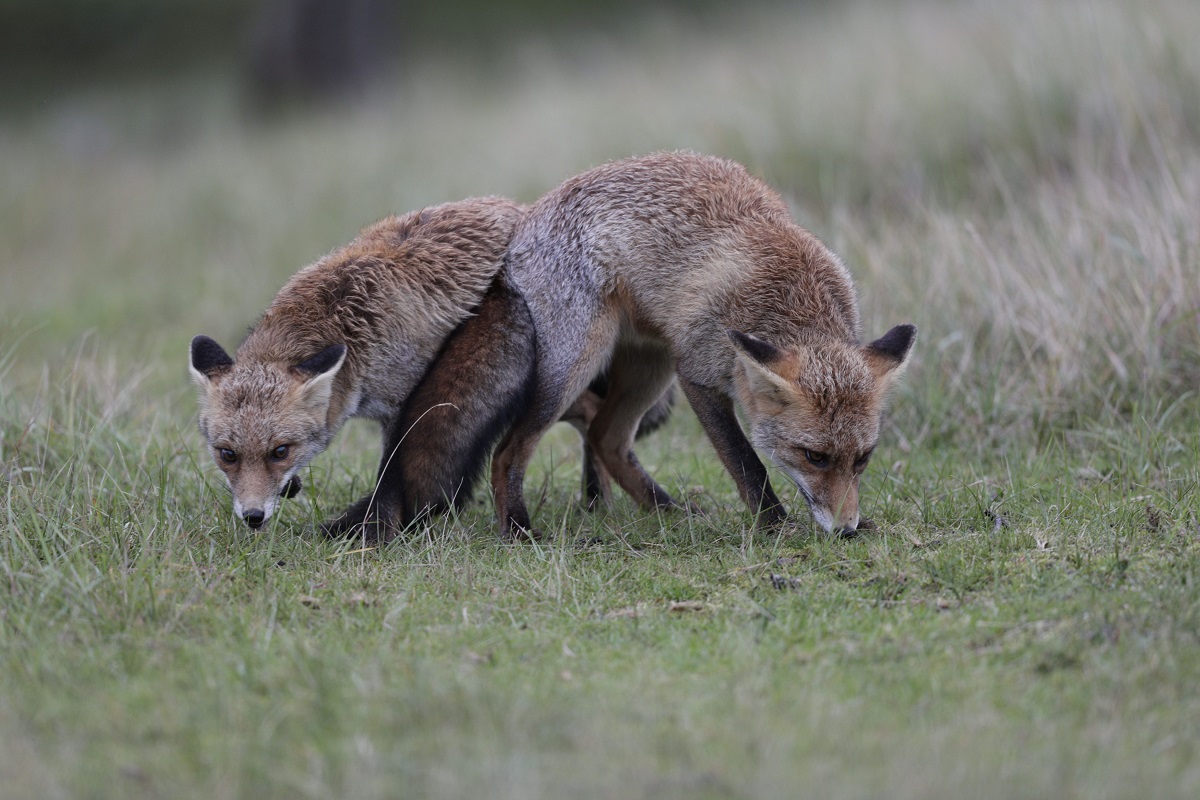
(268, 508)
(820, 515)
(823, 518)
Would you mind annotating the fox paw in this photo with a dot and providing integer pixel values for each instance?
(517, 534)
(361, 519)
(342, 528)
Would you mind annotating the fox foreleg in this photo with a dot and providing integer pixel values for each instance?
(715, 412)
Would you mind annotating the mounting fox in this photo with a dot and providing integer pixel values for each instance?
(353, 335)
(684, 264)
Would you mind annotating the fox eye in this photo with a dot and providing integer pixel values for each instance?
(861, 463)
(228, 456)
(280, 453)
(817, 459)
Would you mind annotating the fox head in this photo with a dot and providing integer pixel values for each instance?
(263, 421)
(814, 410)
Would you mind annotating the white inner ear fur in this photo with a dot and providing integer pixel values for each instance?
(886, 371)
(760, 379)
(202, 381)
(764, 380)
(204, 386)
(316, 391)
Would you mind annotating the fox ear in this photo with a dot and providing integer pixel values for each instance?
(888, 355)
(763, 352)
(207, 359)
(320, 370)
(328, 360)
(769, 369)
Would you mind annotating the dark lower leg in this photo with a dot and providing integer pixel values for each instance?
(596, 487)
(716, 414)
(380, 513)
(508, 484)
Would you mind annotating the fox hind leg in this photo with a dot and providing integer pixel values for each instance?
(435, 447)
(512, 457)
(597, 483)
(509, 463)
(638, 377)
(481, 381)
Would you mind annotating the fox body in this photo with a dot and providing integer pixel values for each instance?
(681, 263)
(353, 335)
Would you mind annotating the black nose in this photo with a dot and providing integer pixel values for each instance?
(255, 518)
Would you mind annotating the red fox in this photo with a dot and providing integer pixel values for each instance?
(684, 264)
(353, 335)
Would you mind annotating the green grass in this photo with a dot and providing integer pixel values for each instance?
(1024, 622)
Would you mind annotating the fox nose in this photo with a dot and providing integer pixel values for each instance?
(254, 518)
(850, 527)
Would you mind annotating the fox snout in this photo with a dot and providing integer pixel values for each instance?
(256, 514)
(840, 516)
(254, 511)
(832, 498)
(829, 485)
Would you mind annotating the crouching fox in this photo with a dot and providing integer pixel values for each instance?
(353, 335)
(684, 264)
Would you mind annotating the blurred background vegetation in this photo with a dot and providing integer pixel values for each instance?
(1019, 179)
(304, 48)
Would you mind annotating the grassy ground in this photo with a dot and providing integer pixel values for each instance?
(1021, 181)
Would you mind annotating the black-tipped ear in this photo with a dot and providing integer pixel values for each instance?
(323, 361)
(894, 345)
(208, 357)
(760, 351)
